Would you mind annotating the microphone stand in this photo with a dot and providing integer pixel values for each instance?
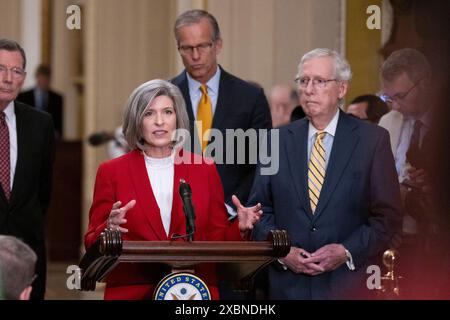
(189, 211)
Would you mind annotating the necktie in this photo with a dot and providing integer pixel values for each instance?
(316, 170)
(413, 155)
(5, 173)
(204, 114)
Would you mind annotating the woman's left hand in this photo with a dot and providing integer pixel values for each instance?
(247, 216)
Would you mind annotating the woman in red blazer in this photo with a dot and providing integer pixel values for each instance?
(138, 193)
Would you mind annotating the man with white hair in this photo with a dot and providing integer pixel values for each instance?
(336, 194)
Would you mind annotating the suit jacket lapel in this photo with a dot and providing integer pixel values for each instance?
(296, 153)
(344, 143)
(182, 83)
(145, 197)
(224, 100)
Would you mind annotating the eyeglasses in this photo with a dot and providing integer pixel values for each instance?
(17, 73)
(399, 96)
(201, 48)
(317, 83)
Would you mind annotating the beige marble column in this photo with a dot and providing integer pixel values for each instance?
(125, 44)
(265, 39)
(10, 26)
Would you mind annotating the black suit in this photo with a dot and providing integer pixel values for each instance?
(24, 215)
(240, 105)
(54, 107)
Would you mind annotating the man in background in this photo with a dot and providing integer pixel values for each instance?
(17, 269)
(283, 99)
(406, 82)
(216, 98)
(368, 107)
(44, 98)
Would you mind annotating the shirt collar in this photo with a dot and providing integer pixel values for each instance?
(9, 110)
(426, 119)
(212, 84)
(330, 128)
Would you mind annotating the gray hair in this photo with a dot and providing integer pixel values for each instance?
(342, 70)
(140, 99)
(11, 45)
(193, 17)
(17, 267)
(410, 61)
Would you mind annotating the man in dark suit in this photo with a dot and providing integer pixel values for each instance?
(26, 160)
(44, 98)
(336, 194)
(226, 101)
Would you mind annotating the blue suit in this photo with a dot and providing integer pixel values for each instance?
(359, 206)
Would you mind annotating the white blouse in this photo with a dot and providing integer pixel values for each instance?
(160, 172)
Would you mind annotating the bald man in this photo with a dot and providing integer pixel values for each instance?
(281, 104)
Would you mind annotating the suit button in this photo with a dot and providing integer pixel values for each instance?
(313, 229)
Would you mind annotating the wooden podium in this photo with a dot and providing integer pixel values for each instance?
(235, 261)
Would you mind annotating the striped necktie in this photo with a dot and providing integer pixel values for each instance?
(204, 114)
(316, 170)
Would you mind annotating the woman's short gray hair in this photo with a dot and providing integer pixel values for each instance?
(138, 102)
(342, 70)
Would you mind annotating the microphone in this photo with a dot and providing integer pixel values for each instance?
(100, 138)
(188, 208)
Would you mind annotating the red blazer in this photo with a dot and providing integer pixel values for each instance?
(125, 178)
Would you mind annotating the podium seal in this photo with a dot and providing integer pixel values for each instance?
(181, 286)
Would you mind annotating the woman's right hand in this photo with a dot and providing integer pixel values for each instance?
(117, 216)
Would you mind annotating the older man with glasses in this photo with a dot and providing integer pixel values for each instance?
(216, 99)
(336, 192)
(26, 161)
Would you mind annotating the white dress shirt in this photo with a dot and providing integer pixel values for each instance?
(195, 93)
(327, 139)
(160, 172)
(402, 166)
(12, 128)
